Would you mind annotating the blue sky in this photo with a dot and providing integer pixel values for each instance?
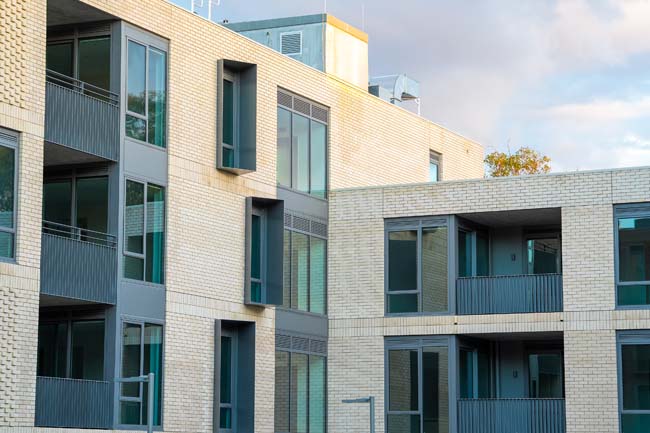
(570, 78)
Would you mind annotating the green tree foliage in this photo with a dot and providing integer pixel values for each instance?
(523, 161)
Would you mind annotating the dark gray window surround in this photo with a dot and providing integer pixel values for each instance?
(9, 139)
(629, 338)
(418, 224)
(634, 210)
(245, 146)
(271, 214)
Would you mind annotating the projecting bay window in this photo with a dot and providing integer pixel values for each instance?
(8, 145)
(146, 99)
(302, 145)
(417, 377)
(237, 118)
(305, 266)
(417, 266)
(264, 248)
(142, 353)
(144, 232)
(632, 237)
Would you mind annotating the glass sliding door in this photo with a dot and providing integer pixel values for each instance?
(545, 375)
(543, 255)
(94, 61)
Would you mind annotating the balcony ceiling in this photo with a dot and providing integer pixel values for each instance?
(54, 301)
(63, 12)
(519, 336)
(516, 218)
(61, 155)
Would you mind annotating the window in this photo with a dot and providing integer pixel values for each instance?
(146, 88)
(144, 232)
(416, 266)
(475, 373)
(473, 253)
(434, 166)
(305, 266)
(302, 145)
(291, 43)
(545, 375)
(142, 346)
(8, 144)
(633, 254)
(543, 254)
(300, 388)
(634, 377)
(418, 386)
(227, 406)
(264, 248)
(71, 348)
(237, 114)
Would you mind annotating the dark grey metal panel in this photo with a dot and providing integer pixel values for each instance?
(82, 122)
(294, 321)
(72, 268)
(246, 377)
(511, 416)
(509, 294)
(216, 395)
(73, 403)
(303, 203)
(142, 299)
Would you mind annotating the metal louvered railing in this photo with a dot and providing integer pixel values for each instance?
(511, 415)
(509, 294)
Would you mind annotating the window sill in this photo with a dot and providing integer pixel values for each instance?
(235, 170)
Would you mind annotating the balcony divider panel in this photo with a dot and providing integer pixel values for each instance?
(509, 294)
(511, 415)
(81, 116)
(78, 264)
(73, 403)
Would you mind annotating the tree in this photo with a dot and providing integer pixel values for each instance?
(523, 161)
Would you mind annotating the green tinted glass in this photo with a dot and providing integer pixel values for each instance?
(92, 203)
(87, 350)
(435, 291)
(300, 139)
(136, 84)
(402, 260)
(317, 275)
(299, 271)
(318, 157)
(157, 97)
(155, 271)
(58, 57)
(57, 202)
(94, 61)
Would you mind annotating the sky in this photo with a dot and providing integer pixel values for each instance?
(569, 78)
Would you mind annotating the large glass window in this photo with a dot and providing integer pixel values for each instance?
(545, 375)
(475, 373)
(7, 199)
(144, 232)
(142, 345)
(71, 348)
(543, 255)
(146, 89)
(93, 61)
(300, 394)
(633, 272)
(302, 151)
(473, 253)
(418, 389)
(417, 269)
(634, 365)
(305, 272)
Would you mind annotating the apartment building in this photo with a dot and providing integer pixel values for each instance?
(165, 209)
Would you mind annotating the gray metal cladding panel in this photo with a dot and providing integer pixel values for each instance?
(77, 269)
(73, 403)
(509, 294)
(511, 416)
(82, 122)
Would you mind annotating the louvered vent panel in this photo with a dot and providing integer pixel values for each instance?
(301, 106)
(282, 342)
(319, 113)
(319, 229)
(8, 139)
(318, 346)
(300, 223)
(291, 43)
(300, 343)
(287, 220)
(285, 99)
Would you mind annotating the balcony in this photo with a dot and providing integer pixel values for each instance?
(505, 294)
(78, 263)
(511, 415)
(81, 116)
(73, 403)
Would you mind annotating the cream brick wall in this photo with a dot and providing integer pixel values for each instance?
(22, 95)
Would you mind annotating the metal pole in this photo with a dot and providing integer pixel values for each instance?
(372, 414)
(150, 384)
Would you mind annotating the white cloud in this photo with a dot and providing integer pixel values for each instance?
(599, 111)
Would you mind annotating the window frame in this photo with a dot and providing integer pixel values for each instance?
(536, 235)
(143, 255)
(628, 338)
(474, 232)
(435, 158)
(120, 398)
(234, 350)
(74, 37)
(635, 210)
(293, 163)
(148, 46)
(11, 142)
(420, 224)
(234, 79)
(261, 213)
(419, 344)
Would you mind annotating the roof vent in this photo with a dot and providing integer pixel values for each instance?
(291, 43)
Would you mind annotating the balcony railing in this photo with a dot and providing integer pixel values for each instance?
(81, 116)
(73, 403)
(511, 415)
(78, 263)
(509, 294)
